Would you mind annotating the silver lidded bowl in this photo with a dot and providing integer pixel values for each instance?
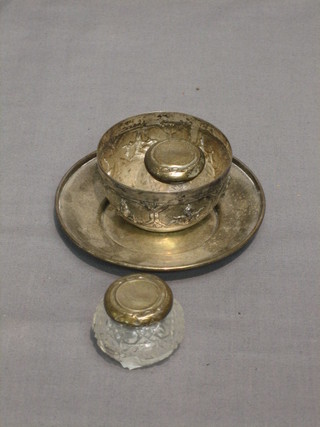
(164, 171)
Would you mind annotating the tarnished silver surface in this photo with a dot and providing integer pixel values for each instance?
(138, 299)
(94, 225)
(179, 147)
(174, 161)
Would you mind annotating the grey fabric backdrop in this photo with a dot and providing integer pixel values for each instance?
(70, 70)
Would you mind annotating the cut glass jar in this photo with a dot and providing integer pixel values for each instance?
(138, 322)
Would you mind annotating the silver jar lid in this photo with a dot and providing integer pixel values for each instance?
(138, 299)
(174, 161)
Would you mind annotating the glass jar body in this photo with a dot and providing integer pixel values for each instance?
(137, 346)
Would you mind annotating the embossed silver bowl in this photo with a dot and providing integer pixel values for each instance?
(164, 171)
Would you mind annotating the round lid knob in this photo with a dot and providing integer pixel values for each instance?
(174, 161)
(138, 299)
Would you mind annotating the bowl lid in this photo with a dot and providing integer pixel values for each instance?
(174, 160)
(138, 299)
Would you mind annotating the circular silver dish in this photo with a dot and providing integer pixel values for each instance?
(93, 224)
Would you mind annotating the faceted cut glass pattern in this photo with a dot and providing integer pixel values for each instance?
(138, 346)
